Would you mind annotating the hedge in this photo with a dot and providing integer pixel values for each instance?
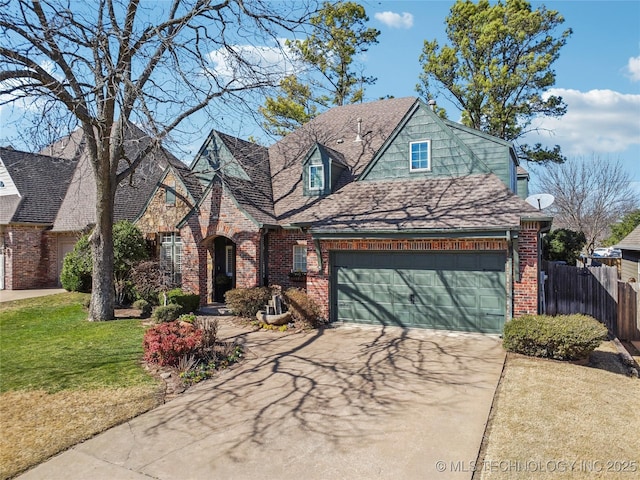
(563, 337)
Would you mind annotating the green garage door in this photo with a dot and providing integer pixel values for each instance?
(452, 291)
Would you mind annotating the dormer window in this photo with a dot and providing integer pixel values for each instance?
(316, 177)
(420, 156)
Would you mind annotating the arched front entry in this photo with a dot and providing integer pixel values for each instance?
(221, 267)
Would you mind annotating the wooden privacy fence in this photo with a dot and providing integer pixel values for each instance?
(628, 327)
(594, 291)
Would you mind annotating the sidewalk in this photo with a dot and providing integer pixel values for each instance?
(10, 295)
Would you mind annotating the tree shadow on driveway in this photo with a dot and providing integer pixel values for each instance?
(337, 401)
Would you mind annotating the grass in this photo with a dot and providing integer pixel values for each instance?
(547, 412)
(64, 379)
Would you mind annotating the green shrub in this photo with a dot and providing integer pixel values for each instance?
(563, 337)
(246, 302)
(77, 267)
(189, 302)
(144, 306)
(188, 317)
(303, 308)
(167, 313)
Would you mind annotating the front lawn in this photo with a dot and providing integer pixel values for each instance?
(558, 420)
(64, 379)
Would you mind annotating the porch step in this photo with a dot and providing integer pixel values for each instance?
(215, 309)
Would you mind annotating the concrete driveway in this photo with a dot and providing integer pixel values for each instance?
(346, 402)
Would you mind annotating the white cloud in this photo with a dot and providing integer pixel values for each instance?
(258, 62)
(597, 121)
(395, 20)
(633, 68)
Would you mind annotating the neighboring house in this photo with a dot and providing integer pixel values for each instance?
(49, 200)
(384, 212)
(32, 188)
(630, 247)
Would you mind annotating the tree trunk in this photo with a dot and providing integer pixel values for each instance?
(102, 293)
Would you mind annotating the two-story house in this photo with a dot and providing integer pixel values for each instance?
(383, 211)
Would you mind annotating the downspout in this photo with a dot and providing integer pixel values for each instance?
(316, 244)
(542, 275)
(512, 270)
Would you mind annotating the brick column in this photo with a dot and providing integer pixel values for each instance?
(525, 289)
(318, 278)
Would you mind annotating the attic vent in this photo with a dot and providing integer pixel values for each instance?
(340, 140)
(358, 137)
(432, 104)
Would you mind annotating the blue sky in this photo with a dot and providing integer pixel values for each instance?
(597, 74)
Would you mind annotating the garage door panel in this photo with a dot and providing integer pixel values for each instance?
(456, 291)
(490, 280)
(467, 281)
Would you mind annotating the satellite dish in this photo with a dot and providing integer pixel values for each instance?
(540, 200)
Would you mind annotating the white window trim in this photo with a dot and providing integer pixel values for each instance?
(321, 186)
(428, 169)
(171, 243)
(303, 253)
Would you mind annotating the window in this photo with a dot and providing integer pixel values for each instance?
(229, 259)
(316, 177)
(171, 256)
(299, 258)
(170, 193)
(420, 153)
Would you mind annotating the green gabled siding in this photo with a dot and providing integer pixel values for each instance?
(493, 154)
(214, 156)
(332, 171)
(449, 158)
(523, 187)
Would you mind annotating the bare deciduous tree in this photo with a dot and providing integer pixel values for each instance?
(590, 195)
(108, 64)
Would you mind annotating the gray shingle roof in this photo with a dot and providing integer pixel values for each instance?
(468, 202)
(42, 182)
(336, 129)
(255, 196)
(631, 241)
(78, 209)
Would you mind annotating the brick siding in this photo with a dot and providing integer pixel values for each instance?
(30, 257)
(219, 215)
(525, 289)
(280, 253)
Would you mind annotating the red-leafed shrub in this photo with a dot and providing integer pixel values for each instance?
(166, 343)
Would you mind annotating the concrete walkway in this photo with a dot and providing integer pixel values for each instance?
(9, 295)
(346, 402)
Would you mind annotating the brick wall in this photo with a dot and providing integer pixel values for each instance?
(280, 253)
(219, 215)
(525, 288)
(30, 258)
